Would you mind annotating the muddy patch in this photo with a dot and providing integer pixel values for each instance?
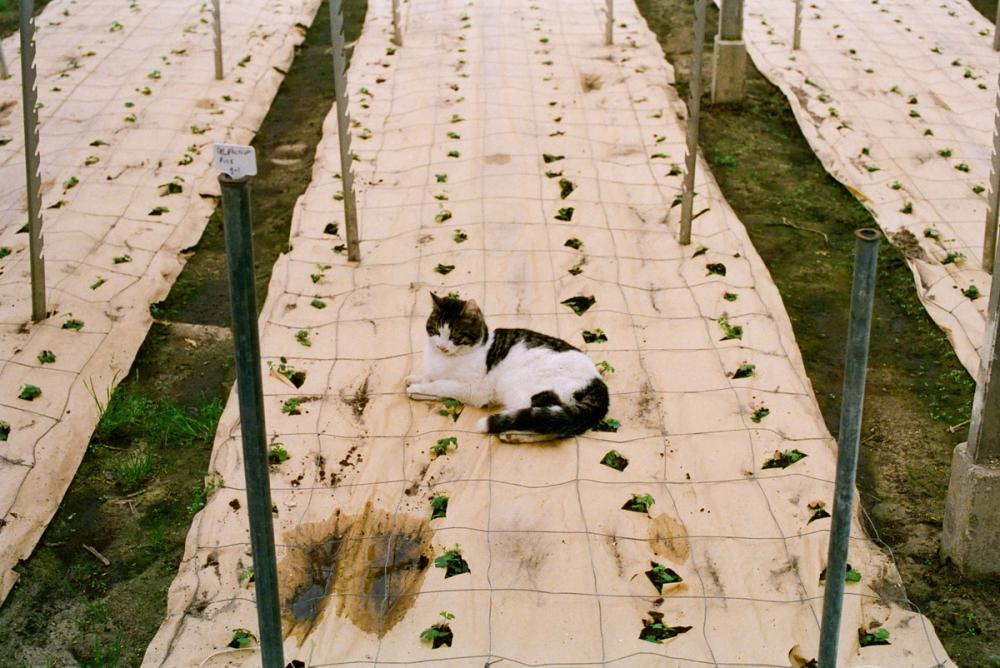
(366, 568)
(668, 538)
(497, 159)
(590, 81)
(357, 401)
(907, 242)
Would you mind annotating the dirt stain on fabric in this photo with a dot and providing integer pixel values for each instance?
(668, 538)
(367, 568)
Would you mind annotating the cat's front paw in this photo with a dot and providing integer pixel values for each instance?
(413, 379)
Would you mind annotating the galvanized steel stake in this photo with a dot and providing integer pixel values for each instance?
(993, 206)
(29, 104)
(4, 72)
(238, 227)
(609, 28)
(852, 407)
(694, 113)
(397, 34)
(797, 31)
(344, 130)
(217, 21)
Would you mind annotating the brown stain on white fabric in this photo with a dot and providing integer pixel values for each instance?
(668, 538)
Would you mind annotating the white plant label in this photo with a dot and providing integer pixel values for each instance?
(235, 160)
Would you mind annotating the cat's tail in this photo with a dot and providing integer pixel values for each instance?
(549, 415)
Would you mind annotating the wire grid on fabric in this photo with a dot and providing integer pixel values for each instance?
(897, 98)
(557, 566)
(129, 109)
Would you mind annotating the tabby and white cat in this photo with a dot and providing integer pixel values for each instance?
(548, 388)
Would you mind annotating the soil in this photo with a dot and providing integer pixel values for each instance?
(918, 395)
(68, 608)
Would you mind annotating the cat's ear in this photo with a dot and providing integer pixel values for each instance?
(471, 308)
(438, 301)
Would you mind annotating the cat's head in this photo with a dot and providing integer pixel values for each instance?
(456, 325)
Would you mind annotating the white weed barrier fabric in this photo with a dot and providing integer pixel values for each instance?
(498, 134)
(897, 98)
(129, 109)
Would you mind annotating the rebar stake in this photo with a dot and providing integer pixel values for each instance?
(344, 130)
(694, 114)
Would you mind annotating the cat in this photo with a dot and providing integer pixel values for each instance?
(549, 389)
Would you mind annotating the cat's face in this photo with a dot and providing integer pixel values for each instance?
(455, 325)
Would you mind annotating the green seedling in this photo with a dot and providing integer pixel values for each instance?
(954, 257)
(759, 414)
(197, 130)
(880, 637)
(242, 638)
(932, 233)
(58, 204)
(159, 211)
(730, 297)
(443, 445)
(454, 135)
(745, 370)
(302, 336)
(715, 268)
(660, 575)
(172, 187)
(896, 185)
(296, 378)
(852, 575)
(74, 324)
(972, 292)
(452, 408)
(549, 157)
(655, 631)
(962, 167)
(441, 178)
(553, 174)
(291, 406)
(452, 563)
(574, 243)
(155, 74)
(122, 259)
(47, 357)
(663, 156)
(186, 160)
(91, 160)
(453, 153)
(444, 269)
(639, 504)
(608, 424)
(978, 189)
(566, 188)
(455, 118)
(700, 250)
(605, 368)
(782, 460)
(945, 153)
(565, 214)
(318, 303)
(615, 460)
(729, 331)
(441, 197)
(331, 228)
(580, 304)
(276, 454)
(459, 237)
(817, 511)
(439, 634)
(4, 430)
(594, 336)
(5, 251)
(29, 392)
(71, 182)
(675, 170)
(576, 269)
(439, 506)
(246, 575)
(907, 208)
(442, 216)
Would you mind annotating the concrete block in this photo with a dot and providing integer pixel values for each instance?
(972, 516)
(729, 70)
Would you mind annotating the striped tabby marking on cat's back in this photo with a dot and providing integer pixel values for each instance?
(505, 339)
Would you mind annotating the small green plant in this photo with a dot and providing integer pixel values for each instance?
(197, 130)
(639, 504)
(580, 304)
(577, 268)
(978, 189)
(945, 153)
(122, 259)
(459, 237)
(444, 269)
(439, 506)
(896, 185)
(574, 243)
(317, 303)
(276, 454)
(715, 268)
(302, 336)
(46, 357)
(548, 157)
(954, 257)
(202, 494)
(817, 511)
(962, 167)
(292, 406)
(565, 214)
(551, 174)
(155, 74)
(700, 250)
(594, 336)
(159, 211)
(452, 563)
(172, 187)
(729, 331)
(246, 575)
(730, 297)
(654, 630)
(660, 575)
(972, 292)
(608, 424)
(880, 637)
(615, 460)
(74, 324)
(852, 575)
(454, 135)
(745, 370)
(5, 251)
(441, 178)
(439, 634)
(759, 414)
(133, 469)
(29, 392)
(453, 153)
(784, 459)
(907, 208)
(455, 118)
(604, 368)
(4, 430)
(442, 216)
(242, 638)
(295, 377)
(932, 233)
(452, 408)
(71, 182)
(443, 445)
(91, 160)
(566, 188)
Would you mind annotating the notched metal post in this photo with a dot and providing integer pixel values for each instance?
(694, 114)
(32, 161)
(797, 30)
(848, 437)
(217, 25)
(609, 27)
(238, 228)
(344, 130)
(993, 205)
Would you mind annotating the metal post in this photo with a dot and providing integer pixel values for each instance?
(993, 206)
(984, 429)
(852, 405)
(397, 34)
(797, 31)
(609, 28)
(238, 227)
(343, 129)
(217, 21)
(29, 104)
(4, 72)
(694, 112)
